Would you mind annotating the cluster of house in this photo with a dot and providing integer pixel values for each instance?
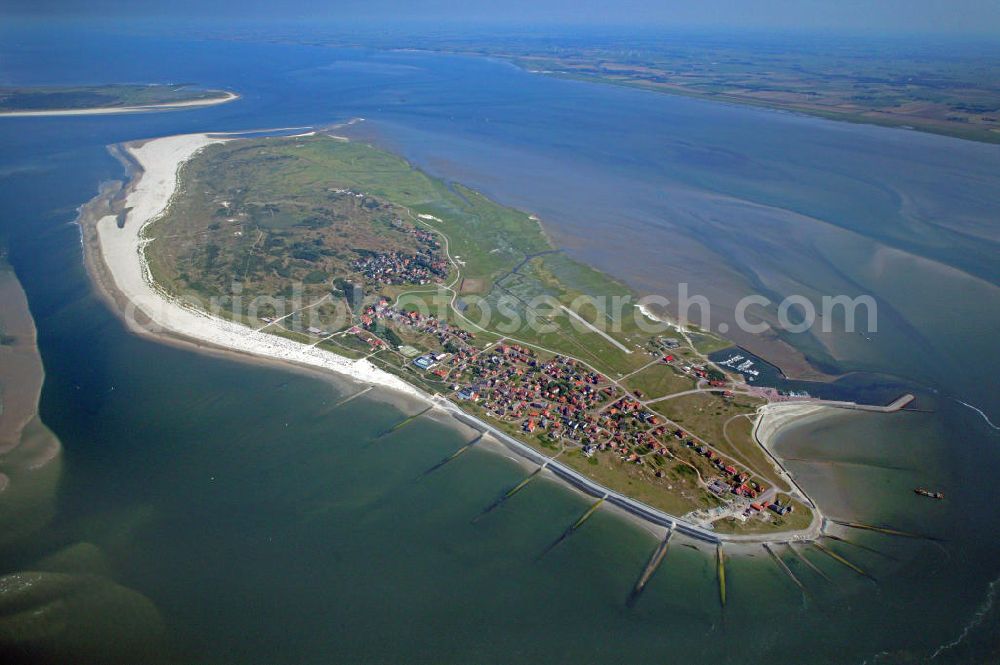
(738, 482)
(557, 396)
(422, 267)
(733, 480)
(386, 268)
(448, 335)
(561, 398)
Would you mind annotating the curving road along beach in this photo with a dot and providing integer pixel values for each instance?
(109, 110)
(123, 272)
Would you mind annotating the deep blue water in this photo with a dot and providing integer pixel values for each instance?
(265, 527)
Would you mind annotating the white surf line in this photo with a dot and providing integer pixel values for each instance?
(985, 417)
(594, 328)
(977, 619)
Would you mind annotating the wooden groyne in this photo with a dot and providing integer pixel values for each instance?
(573, 527)
(885, 530)
(647, 573)
(509, 493)
(784, 567)
(720, 566)
(586, 515)
(452, 457)
(403, 423)
(807, 562)
(838, 558)
(859, 546)
(351, 397)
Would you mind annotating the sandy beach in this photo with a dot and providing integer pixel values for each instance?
(774, 417)
(771, 419)
(109, 110)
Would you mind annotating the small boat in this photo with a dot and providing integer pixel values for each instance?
(933, 495)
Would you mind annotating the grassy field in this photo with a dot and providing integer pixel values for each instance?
(654, 382)
(99, 96)
(727, 424)
(290, 217)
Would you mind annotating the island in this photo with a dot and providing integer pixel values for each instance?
(105, 99)
(334, 254)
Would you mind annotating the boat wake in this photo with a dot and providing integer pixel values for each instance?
(977, 619)
(979, 411)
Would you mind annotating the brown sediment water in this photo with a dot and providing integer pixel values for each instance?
(29, 451)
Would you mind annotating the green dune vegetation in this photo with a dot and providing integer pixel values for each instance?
(349, 248)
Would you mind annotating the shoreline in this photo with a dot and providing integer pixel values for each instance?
(771, 420)
(115, 260)
(110, 110)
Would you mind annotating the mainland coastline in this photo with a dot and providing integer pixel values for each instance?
(115, 260)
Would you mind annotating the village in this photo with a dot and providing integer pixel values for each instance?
(393, 268)
(556, 403)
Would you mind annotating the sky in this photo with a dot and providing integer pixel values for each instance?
(981, 17)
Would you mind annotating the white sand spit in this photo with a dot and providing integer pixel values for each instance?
(110, 110)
